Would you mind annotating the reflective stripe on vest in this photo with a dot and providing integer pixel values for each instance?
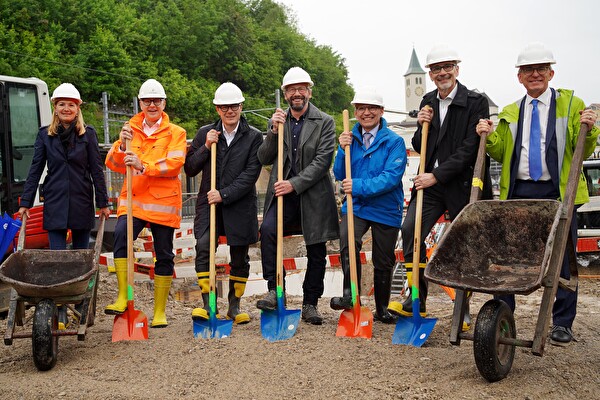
(151, 207)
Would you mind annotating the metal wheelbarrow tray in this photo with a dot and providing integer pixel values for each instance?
(49, 273)
(497, 247)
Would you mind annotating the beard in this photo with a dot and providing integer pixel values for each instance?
(445, 84)
(295, 106)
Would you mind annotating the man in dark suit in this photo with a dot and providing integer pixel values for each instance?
(451, 153)
(238, 170)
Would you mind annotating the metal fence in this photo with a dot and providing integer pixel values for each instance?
(114, 183)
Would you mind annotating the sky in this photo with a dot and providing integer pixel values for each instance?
(376, 38)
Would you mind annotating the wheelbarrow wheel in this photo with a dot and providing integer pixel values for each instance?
(45, 346)
(494, 360)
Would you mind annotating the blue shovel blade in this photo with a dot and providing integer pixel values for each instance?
(212, 328)
(279, 324)
(414, 330)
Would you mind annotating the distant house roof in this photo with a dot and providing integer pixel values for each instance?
(414, 67)
(490, 101)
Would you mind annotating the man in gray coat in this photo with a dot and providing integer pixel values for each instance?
(309, 201)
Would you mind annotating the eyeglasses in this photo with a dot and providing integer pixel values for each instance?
(362, 109)
(437, 68)
(232, 107)
(528, 69)
(292, 90)
(147, 102)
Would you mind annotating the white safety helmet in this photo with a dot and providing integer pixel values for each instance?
(152, 89)
(66, 91)
(441, 53)
(296, 75)
(228, 93)
(368, 95)
(535, 53)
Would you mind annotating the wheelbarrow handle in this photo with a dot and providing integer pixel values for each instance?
(22, 232)
(99, 238)
(479, 171)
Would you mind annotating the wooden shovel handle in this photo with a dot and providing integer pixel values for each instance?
(350, 217)
(419, 209)
(213, 220)
(130, 258)
(279, 264)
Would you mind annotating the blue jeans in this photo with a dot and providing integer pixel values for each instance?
(58, 239)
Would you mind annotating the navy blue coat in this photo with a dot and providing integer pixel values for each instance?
(72, 176)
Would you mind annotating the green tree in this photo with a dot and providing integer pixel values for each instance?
(191, 47)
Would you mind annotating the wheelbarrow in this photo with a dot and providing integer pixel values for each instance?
(506, 247)
(43, 279)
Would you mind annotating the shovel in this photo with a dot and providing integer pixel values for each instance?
(279, 324)
(415, 331)
(132, 324)
(357, 322)
(213, 327)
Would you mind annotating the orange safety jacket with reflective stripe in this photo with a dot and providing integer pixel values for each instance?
(156, 193)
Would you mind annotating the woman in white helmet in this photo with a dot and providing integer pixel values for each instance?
(69, 150)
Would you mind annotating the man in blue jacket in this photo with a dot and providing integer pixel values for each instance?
(378, 158)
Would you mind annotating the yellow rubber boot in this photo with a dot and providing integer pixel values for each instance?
(120, 305)
(203, 284)
(405, 308)
(237, 286)
(162, 286)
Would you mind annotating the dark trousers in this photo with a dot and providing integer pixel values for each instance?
(313, 285)
(565, 303)
(163, 243)
(240, 261)
(434, 206)
(384, 239)
(58, 239)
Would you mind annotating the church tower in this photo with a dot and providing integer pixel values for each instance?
(415, 83)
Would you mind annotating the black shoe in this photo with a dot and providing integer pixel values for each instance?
(561, 336)
(269, 302)
(311, 315)
(386, 317)
(341, 303)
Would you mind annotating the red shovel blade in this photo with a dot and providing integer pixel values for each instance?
(357, 322)
(131, 325)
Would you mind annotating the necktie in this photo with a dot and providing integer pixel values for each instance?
(535, 144)
(367, 140)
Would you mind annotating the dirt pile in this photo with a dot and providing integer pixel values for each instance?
(314, 364)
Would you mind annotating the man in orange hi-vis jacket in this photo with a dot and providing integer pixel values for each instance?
(157, 155)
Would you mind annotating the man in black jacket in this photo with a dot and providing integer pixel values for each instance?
(238, 170)
(451, 153)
